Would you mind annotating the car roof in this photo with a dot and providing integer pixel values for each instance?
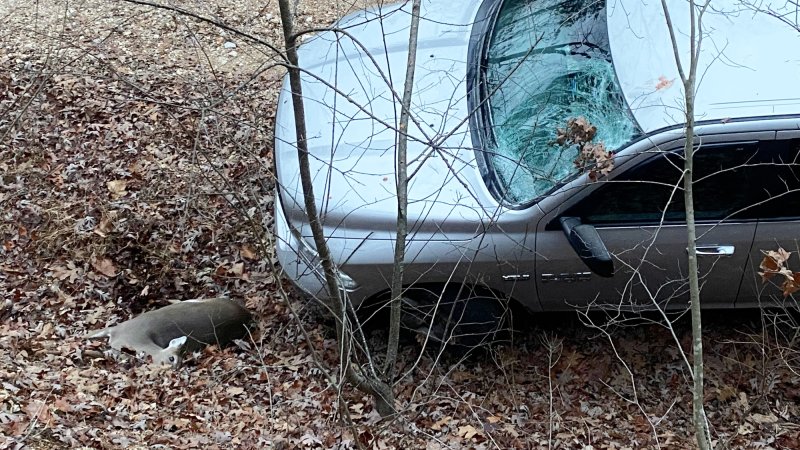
(749, 63)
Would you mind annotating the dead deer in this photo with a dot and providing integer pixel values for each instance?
(166, 334)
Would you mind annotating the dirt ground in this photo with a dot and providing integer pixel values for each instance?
(135, 168)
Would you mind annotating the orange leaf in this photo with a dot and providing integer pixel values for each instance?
(664, 83)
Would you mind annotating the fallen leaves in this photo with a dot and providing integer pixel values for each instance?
(248, 252)
(117, 188)
(118, 158)
(105, 266)
(37, 410)
(468, 431)
(235, 390)
(69, 273)
(764, 418)
(106, 224)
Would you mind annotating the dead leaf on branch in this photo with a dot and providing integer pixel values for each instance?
(593, 157)
(578, 131)
(791, 284)
(774, 263)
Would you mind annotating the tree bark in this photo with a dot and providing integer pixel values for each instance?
(699, 418)
(698, 408)
(381, 392)
(402, 200)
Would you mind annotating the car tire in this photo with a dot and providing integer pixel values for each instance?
(455, 319)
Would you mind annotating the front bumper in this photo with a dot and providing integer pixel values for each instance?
(300, 261)
(303, 269)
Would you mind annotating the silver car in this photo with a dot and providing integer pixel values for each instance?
(495, 203)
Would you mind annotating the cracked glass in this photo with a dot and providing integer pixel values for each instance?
(546, 62)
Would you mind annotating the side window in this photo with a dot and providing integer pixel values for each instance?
(775, 188)
(640, 195)
(742, 181)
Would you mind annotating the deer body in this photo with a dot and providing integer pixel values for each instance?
(167, 333)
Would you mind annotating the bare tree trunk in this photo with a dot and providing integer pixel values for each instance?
(698, 409)
(699, 418)
(380, 391)
(402, 200)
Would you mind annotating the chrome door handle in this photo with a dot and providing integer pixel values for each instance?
(715, 250)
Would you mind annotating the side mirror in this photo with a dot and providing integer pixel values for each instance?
(590, 248)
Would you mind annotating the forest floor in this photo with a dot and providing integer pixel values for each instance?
(136, 167)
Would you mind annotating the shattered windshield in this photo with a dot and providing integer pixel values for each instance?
(548, 61)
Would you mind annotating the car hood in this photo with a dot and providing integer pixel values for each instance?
(739, 74)
(351, 115)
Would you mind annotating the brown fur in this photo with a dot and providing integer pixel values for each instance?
(158, 333)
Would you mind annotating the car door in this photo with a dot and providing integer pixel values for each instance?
(639, 217)
(775, 189)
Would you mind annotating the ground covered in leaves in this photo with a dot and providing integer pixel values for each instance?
(135, 162)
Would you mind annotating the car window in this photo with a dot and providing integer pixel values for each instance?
(547, 62)
(742, 181)
(775, 182)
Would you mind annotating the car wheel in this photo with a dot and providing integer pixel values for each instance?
(456, 317)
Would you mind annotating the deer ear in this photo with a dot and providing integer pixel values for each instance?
(177, 342)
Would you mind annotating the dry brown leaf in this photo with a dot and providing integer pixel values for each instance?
(726, 392)
(105, 266)
(117, 188)
(437, 426)
(791, 284)
(769, 267)
(237, 269)
(764, 418)
(63, 273)
(63, 405)
(38, 410)
(774, 263)
(106, 225)
(592, 157)
(745, 429)
(235, 390)
(467, 431)
(248, 252)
